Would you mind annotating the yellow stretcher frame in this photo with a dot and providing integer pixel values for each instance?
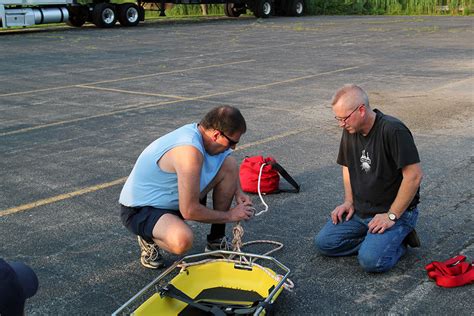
(195, 273)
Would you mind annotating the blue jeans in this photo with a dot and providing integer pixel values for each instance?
(376, 252)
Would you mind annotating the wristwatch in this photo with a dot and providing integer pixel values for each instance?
(392, 216)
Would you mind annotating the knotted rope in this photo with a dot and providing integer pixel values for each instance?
(238, 233)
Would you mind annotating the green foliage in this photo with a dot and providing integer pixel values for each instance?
(182, 10)
(405, 7)
(335, 7)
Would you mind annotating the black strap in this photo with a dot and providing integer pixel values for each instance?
(287, 177)
(171, 291)
(250, 310)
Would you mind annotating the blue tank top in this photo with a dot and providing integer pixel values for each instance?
(148, 185)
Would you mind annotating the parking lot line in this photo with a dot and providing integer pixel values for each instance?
(60, 197)
(135, 92)
(131, 108)
(106, 185)
(129, 78)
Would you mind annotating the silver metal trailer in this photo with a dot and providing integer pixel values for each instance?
(106, 13)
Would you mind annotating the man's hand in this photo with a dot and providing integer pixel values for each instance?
(380, 223)
(336, 214)
(241, 198)
(241, 212)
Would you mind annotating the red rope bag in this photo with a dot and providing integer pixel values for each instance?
(268, 170)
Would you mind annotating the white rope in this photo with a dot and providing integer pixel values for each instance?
(238, 233)
(260, 193)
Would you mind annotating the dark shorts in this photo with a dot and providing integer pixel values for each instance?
(141, 220)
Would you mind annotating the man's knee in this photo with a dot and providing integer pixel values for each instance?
(181, 242)
(325, 244)
(373, 262)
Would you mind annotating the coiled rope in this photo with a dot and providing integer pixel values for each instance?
(238, 233)
(237, 244)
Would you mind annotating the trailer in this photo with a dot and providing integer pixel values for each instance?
(106, 13)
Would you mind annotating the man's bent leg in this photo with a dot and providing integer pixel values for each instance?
(223, 186)
(381, 252)
(172, 234)
(342, 239)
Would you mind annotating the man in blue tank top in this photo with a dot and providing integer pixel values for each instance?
(170, 181)
(381, 174)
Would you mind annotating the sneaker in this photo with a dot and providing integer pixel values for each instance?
(412, 240)
(150, 255)
(218, 244)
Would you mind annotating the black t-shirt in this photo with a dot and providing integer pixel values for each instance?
(375, 163)
(12, 299)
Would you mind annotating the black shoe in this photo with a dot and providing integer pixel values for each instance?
(412, 240)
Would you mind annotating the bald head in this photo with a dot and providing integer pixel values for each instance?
(350, 96)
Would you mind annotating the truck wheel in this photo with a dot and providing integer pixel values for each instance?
(77, 16)
(103, 15)
(231, 10)
(263, 9)
(128, 14)
(295, 8)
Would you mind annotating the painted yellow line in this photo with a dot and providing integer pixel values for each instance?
(130, 78)
(272, 138)
(27, 129)
(61, 197)
(106, 185)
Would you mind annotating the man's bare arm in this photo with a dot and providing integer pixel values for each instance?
(412, 176)
(187, 163)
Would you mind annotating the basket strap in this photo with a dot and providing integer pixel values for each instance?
(171, 291)
(250, 310)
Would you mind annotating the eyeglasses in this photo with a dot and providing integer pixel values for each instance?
(231, 141)
(344, 119)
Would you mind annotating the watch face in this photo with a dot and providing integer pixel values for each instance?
(392, 216)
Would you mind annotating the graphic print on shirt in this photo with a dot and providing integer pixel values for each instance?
(365, 161)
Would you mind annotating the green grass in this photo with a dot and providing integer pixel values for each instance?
(390, 7)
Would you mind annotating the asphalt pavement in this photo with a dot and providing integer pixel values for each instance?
(77, 107)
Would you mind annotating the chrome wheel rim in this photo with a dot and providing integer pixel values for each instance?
(132, 15)
(267, 8)
(299, 8)
(108, 16)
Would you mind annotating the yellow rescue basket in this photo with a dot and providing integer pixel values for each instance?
(204, 284)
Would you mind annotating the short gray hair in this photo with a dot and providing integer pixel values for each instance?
(357, 94)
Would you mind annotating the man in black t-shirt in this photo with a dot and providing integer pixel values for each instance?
(382, 175)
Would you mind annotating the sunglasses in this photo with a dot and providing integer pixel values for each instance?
(231, 141)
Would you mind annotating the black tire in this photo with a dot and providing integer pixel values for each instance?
(104, 15)
(128, 14)
(232, 11)
(263, 9)
(295, 8)
(77, 16)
